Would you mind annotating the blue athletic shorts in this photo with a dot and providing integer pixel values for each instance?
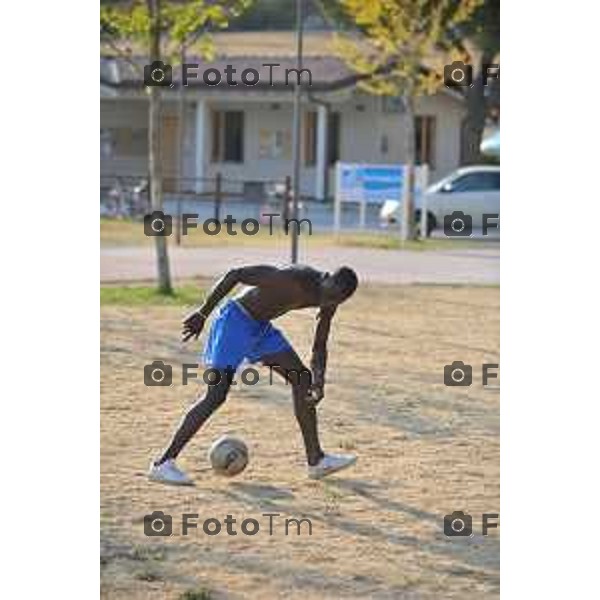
(235, 336)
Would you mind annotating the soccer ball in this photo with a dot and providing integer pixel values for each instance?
(228, 455)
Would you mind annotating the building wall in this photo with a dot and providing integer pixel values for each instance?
(117, 114)
(364, 125)
(260, 117)
(449, 113)
(363, 142)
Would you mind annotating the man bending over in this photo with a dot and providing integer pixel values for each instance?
(242, 330)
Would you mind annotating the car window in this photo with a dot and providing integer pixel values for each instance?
(477, 182)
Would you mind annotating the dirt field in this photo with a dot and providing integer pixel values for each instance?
(424, 450)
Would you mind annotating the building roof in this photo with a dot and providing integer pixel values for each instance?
(273, 43)
(326, 73)
(252, 50)
(259, 43)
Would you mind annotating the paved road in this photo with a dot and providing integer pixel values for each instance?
(471, 265)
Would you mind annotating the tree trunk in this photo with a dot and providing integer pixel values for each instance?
(474, 123)
(180, 151)
(408, 196)
(154, 165)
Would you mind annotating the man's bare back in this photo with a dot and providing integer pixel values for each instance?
(292, 288)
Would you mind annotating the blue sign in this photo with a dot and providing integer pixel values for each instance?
(372, 184)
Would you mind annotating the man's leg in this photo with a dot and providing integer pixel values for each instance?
(288, 365)
(197, 415)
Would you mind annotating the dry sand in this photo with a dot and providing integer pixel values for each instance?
(377, 530)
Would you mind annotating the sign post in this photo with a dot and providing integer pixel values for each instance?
(369, 184)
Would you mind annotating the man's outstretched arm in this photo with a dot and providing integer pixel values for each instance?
(318, 362)
(264, 275)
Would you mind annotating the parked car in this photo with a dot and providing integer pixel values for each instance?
(473, 190)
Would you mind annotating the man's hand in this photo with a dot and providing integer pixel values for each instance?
(316, 392)
(192, 325)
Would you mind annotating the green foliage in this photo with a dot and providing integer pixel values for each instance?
(125, 26)
(483, 27)
(397, 38)
(280, 15)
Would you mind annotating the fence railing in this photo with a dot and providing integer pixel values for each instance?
(129, 196)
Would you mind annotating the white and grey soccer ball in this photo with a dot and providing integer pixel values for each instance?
(228, 455)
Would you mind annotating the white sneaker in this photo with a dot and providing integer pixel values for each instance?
(329, 464)
(168, 472)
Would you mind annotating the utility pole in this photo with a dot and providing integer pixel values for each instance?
(296, 134)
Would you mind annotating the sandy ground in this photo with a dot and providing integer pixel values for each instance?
(424, 450)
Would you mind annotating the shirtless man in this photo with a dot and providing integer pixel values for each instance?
(242, 330)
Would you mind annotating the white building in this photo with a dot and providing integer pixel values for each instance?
(245, 132)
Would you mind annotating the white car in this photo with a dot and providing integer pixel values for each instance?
(475, 191)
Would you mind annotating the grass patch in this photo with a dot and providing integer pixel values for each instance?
(347, 445)
(148, 574)
(391, 241)
(149, 296)
(332, 498)
(202, 594)
(124, 232)
(127, 232)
